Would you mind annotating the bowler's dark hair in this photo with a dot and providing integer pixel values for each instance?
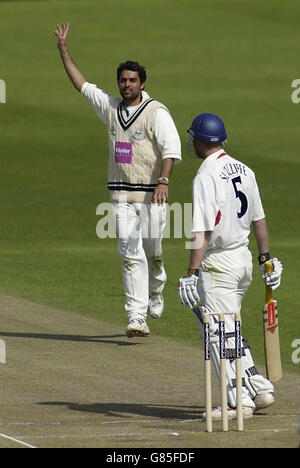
(132, 66)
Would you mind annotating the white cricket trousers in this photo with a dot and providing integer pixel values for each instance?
(140, 229)
(224, 277)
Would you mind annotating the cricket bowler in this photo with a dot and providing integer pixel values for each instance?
(143, 147)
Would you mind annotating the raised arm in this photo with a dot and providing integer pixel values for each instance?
(72, 70)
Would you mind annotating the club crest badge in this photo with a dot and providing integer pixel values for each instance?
(138, 136)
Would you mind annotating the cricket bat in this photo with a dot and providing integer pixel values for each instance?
(271, 333)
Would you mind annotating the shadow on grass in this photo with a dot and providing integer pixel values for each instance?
(125, 410)
(104, 339)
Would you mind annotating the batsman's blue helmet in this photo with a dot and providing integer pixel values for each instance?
(209, 128)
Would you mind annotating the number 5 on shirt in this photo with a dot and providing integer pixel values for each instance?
(239, 194)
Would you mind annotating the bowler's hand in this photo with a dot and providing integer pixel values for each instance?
(160, 194)
(62, 33)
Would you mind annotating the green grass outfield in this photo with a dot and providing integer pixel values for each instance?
(235, 58)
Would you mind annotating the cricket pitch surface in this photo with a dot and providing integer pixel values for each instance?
(71, 381)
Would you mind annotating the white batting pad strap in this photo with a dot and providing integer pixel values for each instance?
(253, 382)
(231, 379)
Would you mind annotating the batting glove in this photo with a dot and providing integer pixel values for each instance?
(272, 279)
(187, 290)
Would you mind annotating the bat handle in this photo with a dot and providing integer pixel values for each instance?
(268, 267)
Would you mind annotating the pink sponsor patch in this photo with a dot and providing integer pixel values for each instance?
(123, 152)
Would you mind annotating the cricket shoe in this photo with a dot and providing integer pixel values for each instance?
(231, 413)
(156, 306)
(263, 401)
(137, 327)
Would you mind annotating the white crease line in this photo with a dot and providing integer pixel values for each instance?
(134, 421)
(270, 430)
(150, 420)
(257, 416)
(17, 441)
(261, 415)
(121, 421)
(99, 436)
(30, 424)
(144, 434)
(191, 420)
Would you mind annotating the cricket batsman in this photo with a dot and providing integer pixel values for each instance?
(226, 203)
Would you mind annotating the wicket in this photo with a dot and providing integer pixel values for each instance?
(223, 381)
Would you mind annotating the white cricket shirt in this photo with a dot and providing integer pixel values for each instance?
(226, 200)
(163, 125)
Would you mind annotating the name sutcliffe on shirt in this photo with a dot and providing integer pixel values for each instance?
(231, 169)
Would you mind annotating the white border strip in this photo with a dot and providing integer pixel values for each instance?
(17, 441)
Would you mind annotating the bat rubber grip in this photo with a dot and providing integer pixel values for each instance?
(268, 267)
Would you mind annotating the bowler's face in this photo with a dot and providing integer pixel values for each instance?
(130, 87)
